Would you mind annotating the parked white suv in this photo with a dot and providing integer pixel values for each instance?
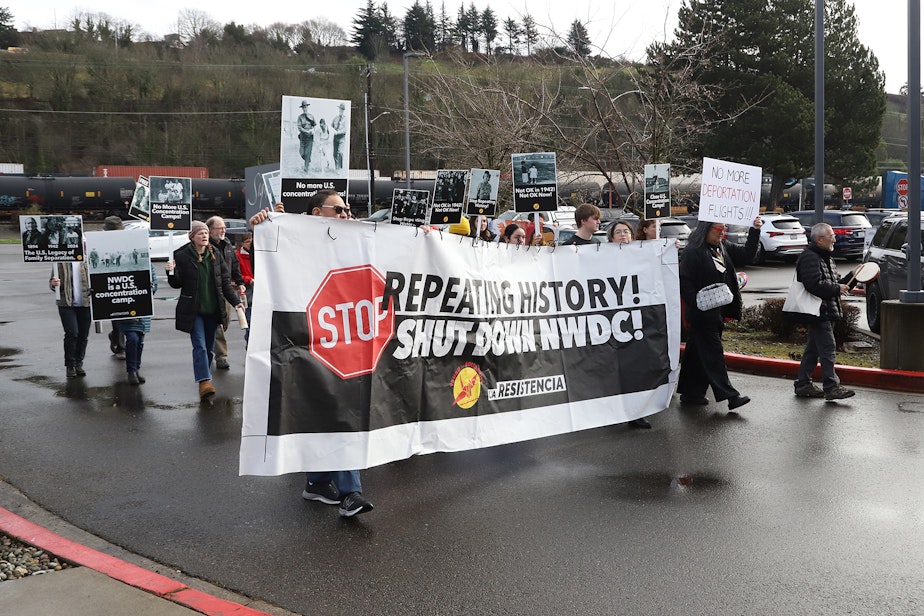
(781, 237)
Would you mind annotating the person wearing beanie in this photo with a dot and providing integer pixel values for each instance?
(112, 223)
(204, 281)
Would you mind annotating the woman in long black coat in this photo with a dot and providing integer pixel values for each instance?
(709, 259)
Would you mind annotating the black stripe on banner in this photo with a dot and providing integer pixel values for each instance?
(483, 378)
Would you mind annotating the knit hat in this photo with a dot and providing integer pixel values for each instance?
(461, 228)
(113, 223)
(196, 226)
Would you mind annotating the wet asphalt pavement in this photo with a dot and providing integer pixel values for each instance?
(792, 507)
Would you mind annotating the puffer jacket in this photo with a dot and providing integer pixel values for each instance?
(815, 270)
(185, 276)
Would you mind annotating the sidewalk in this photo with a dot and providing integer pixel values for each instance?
(103, 584)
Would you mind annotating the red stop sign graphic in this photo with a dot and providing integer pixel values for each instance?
(347, 328)
(902, 187)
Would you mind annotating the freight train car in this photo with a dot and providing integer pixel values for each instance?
(98, 197)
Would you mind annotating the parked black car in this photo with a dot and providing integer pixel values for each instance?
(888, 250)
(849, 228)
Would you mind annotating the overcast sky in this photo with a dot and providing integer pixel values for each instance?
(622, 27)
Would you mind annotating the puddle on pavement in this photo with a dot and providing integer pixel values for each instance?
(653, 486)
(911, 407)
(6, 356)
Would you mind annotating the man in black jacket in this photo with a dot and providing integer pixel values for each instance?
(815, 270)
(225, 248)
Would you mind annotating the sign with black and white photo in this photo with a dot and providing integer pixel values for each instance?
(657, 191)
(314, 149)
(448, 196)
(140, 207)
(410, 207)
(535, 182)
(171, 203)
(120, 274)
(51, 239)
(483, 187)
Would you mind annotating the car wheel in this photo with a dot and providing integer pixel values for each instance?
(761, 255)
(873, 306)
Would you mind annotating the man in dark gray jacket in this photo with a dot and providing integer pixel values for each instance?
(815, 270)
(225, 248)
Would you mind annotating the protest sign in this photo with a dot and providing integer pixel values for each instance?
(730, 192)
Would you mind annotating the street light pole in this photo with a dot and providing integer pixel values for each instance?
(371, 178)
(407, 122)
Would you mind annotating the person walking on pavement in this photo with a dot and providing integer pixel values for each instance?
(204, 281)
(133, 330)
(245, 261)
(225, 248)
(709, 259)
(73, 280)
(815, 270)
(342, 488)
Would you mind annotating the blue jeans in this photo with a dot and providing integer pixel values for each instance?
(203, 345)
(820, 348)
(346, 481)
(134, 345)
(76, 322)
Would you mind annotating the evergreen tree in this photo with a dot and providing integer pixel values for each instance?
(419, 29)
(513, 32)
(444, 30)
(474, 28)
(488, 28)
(530, 33)
(8, 34)
(367, 31)
(578, 39)
(462, 27)
(389, 29)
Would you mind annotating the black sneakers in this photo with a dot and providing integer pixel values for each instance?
(839, 393)
(324, 491)
(354, 504)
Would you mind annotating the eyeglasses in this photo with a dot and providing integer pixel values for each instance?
(338, 208)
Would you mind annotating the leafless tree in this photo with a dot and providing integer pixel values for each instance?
(195, 25)
(326, 33)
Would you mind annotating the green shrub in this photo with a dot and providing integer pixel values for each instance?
(769, 317)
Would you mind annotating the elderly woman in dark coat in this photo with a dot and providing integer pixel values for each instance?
(709, 259)
(203, 277)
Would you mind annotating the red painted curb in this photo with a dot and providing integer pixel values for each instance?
(133, 575)
(876, 378)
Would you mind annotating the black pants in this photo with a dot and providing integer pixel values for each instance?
(703, 365)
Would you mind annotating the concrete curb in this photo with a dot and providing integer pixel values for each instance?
(120, 570)
(877, 378)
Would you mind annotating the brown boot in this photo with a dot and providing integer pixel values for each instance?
(206, 390)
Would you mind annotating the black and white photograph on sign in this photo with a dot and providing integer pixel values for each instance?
(657, 191)
(314, 149)
(50, 239)
(120, 274)
(482, 192)
(315, 139)
(535, 182)
(171, 203)
(448, 196)
(410, 208)
(140, 207)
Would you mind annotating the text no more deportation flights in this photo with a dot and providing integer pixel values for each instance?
(730, 192)
(408, 343)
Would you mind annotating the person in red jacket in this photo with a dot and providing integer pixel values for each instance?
(245, 258)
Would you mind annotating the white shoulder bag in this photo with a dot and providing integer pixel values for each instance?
(801, 301)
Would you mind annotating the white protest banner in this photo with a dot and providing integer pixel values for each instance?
(397, 343)
(730, 192)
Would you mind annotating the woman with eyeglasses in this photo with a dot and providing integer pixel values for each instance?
(621, 232)
(707, 260)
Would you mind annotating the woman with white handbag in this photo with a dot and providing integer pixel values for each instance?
(709, 289)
